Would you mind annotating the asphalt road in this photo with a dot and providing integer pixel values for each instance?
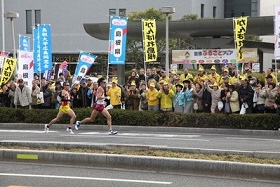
(47, 175)
(266, 143)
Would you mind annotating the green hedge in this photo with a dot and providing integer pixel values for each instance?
(145, 118)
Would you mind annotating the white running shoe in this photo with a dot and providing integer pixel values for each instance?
(77, 125)
(111, 132)
(46, 128)
(69, 130)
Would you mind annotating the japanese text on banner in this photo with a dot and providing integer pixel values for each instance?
(8, 69)
(277, 32)
(150, 47)
(117, 45)
(240, 25)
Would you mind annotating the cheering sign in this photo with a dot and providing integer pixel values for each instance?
(8, 69)
(240, 31)
(150, 47)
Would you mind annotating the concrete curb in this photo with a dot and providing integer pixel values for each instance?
(160, 164)
(128, 147)
(148, 129)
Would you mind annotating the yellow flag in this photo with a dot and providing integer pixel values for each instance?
(240, 25)
(150, 47)
(8, 70)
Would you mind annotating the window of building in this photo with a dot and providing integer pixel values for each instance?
(214, 11)
(202, 10)
(112, 12)
(122, 12)
(28, 14)
(37, 17)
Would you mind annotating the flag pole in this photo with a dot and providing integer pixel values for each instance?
(235, 46)
(143, 43)
(109, 50)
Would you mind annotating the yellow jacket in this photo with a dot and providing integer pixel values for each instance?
(166, 100)
(216, 76)
(183, 77)
(152, 97)
(115, 95)
(199, 79)
(165, 79)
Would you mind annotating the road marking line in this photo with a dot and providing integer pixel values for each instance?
(27, 156)
(26, 131)
(85, 178)
(258, 139)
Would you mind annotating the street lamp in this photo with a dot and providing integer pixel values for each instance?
(167, 10)
(11, 16)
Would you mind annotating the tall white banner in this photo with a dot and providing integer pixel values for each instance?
(26, 67)
(277, 33)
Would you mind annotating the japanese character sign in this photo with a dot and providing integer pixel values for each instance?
(8, 70)
(117, 41)
(149, 39)
(240, 25)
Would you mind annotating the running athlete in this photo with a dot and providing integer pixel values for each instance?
(64, 109)
(99, 106)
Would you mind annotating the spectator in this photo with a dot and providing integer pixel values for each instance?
(188, 92)
(61, 77)
(152, 97)
(179, 99)
(154, 75)
(214, 74)
(215, 97)
(133, 77)
(206, 99)
(269, 73)
(83, 94)
(47, 94)
(35, 91)
(165, 96)
(142, 76)
(163, 77)
(143, 101)
(133, 100)
(260, 97)
(246, 94)
(270, 93)
(232, 98)
(223, 97)
(22, 96)
(201, 75)
(197, 95)
(76, 102)
(186, 75)
(115, 94)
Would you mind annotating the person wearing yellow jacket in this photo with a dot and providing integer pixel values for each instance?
(214, 74)
(115, 94)
(165, 96)
(200, 76)
(186, 75)
(152, 97)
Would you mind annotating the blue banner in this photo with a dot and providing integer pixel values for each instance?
(24, 43)
(117, 45)
(42, 49)
(84, 63)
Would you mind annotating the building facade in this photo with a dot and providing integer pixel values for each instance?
(66, 18)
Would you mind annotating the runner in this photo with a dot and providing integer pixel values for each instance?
(99, 106)
(64, 109)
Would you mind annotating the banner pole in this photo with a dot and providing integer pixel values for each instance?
(109, 50)
(235, 46)
(144, 59)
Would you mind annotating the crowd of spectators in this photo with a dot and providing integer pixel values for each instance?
(228, 91)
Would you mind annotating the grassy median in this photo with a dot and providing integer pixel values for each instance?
(159, 153)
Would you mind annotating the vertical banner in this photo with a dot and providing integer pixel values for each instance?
(26, 67)
(3, 55)
(277, 33)
(240, 25)
(117, 40)
(149, 38)
(84, 63)
(8, 69)
(24, 43)
(42, 49)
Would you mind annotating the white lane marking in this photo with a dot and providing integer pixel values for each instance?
(153, 135)
(85, 178)
(254, 139)
(26, 131)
